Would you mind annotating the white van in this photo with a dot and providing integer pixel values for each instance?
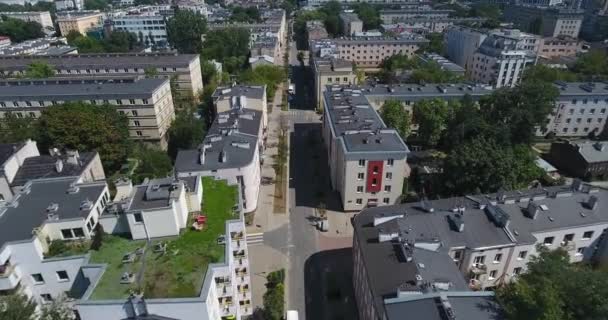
(291, 315)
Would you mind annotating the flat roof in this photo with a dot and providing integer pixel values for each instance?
(358, 125)
(66, 89)
(462, 306)
(101, 61)
(251, 92)
(427, 91)
(28, 210)
(416, 39)
(582, 88)
(155, 194)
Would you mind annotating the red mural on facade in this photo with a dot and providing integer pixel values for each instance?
(374, 176)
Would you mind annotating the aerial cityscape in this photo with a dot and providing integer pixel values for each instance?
(303, 160)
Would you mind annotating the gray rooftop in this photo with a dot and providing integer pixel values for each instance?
(333, 65)
(231, 142)
(413, 39)
(78, 89)
(28, 210)
(428, 91)
(45, 166)
(252, 92)
(101, 61)
(358, 125)
(582, 89)
(443, 62)
(593, 151)
(463, 306)
(7, 150)
(155, 194)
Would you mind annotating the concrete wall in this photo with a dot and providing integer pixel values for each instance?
(577, 116)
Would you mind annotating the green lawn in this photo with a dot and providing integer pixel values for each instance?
(179, 272)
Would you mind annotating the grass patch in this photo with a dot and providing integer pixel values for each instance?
(280, 170)
(60, 248)
(180, 271)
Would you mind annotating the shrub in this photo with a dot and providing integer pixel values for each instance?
(97, 238)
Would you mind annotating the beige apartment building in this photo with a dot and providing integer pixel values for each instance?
(146, 102)
(329, 72)
(80, 22)
(560, 46)
(183, 69)
(368, 52)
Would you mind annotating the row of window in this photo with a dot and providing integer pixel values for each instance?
(386, 188)
(389, 162)
(589, 120)
(388, 175)
(330, 79)
(62, 276)
(575, 130)
(11, 104)
(585, 101)
(568, 237)
(359, 201)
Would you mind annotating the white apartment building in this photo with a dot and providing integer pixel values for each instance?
(367, 160)
(146, 102)
(580, 109)
(62, 5)
(43, 17)
(502, 58)
(184, 69)
(461, 43)
(22, 162)
(330, 72)
(149, 27)
(46, 210)
(491, 238)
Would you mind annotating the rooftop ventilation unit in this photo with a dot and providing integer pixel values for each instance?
(456, 222)
(498, 216)
(532, 210)
(591, 203)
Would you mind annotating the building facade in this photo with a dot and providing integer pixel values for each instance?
(146, 102)
(330, 72)
(43, 18)
(546, 21)
(149, 27)
(391, 16)
(316, 30)
(461, 43)
(183, 69)
(80, 22)
(561, 46)
(351, 23)
(367, 160)
(584, 159)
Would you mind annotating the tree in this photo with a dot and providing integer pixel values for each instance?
(95, 4)
(274, 298)
(592, 66)
(87, 44)
(431, 72)
(486, 10)
(15, 129)
(184, 31)
(435, 42)
(208, 71)
(394, 116)
(120, 41)
(369, 14)
(82, 126)
(247, 15)
(56, 310)
(19, 30)
(431, 117)
(483, 165)
(153, 163)
(97, 240)
(39, 69)
(268, 75)
(17, 307)
(229, 46)
(150, 72)
(332, 11)
(72, 36)
(543, 73)
(186, 132)
(554, 288)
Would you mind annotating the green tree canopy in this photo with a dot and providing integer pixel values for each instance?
(592, 66)
(17, 307)
(369, 14)
(120, 41)
(268, 75)
(394, 116)
(19, 30)
(431, 117)
(82, 126)
(555, 289)
(153, 163)
(248, 15)
(543, 73)
(184, 31)
(229, 46)
(436, 42)
(16, 129)
(39, 69)
(186, 132)
(96, 4)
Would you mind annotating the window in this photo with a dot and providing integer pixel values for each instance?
(67, 233)
(522, 255)
(62, 275)
(46, 298)
(359, 189)
(457, 255)
(375, 169)
(134, 113)
(136, 123)
(374, 181)
(386, 200)
(131, 101)
(359, 201)
(78, 232)
(32, 115)
(479, 260)
(145, 101)
(360, 176)
(492, 275)
(139, 133)
(138, 217)
(390, 162)
(329, 79)
(548, 241)
(387, 188)
(587, 235)
(118, 101)
(38, 279)
(580, 251)
(361, 163)
(569, 237)
(389, 175)
(517, 271)
(497, 257)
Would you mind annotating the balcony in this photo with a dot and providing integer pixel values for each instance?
(245, 307)
(237, 235)
(227, 307)
(9, 278)
(239, 254)
(474, 284)
(479, 268)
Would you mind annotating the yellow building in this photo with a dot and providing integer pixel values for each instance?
(79, 22)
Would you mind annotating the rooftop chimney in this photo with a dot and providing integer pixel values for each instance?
(532, 210)
(59, 165)
(73, 157)
(591, 204)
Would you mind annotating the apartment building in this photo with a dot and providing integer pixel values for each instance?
(443, 63)
(461, 43)
(237, 96)
(183, 69)
(391, 16)
(583, 159)
(315, 30)
(330, 72)
(367, 160)
(580, 109)
(351, 23)
(149, 27)
(425, 25)
(46, 210)
(39, 47)
(80, 21)
(400, 272)
(488, 238)
(502, 57)
(41, 17)
(546, 21)
(409, 4)
(63, 5)
(146, 102)
(367, 52)
(22, 162)
(560, 46)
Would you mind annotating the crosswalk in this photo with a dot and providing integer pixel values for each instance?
(255, 238)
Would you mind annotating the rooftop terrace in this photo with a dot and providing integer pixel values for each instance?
(179, 271)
